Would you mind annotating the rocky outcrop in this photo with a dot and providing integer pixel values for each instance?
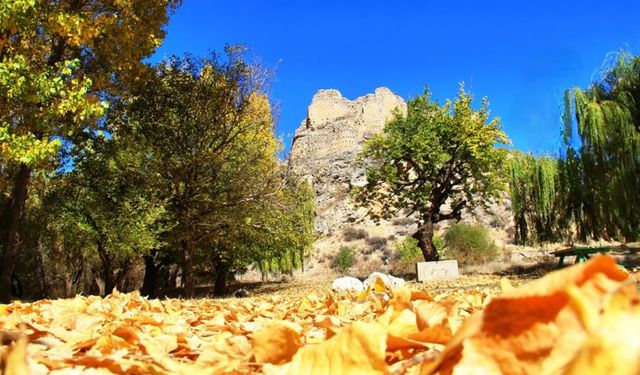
(327, 142)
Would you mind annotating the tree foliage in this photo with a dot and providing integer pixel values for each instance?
(59, 60)
(592, 187)
(605, 166)
(436, 161)
(537, 198)
(470, 244)
(207, 127)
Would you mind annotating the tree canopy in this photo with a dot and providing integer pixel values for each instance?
(59, 61)
(591, 189)
(537, 198)
(208, 130)
(607, 159)
(436, 161)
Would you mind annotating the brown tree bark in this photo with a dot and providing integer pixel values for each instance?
(62, 269)
(10, 241)
(187, 269)
(150, 281)
(45, 286)
(107, 269)
(89, 286)
(68, 285)
(122, 274)
(220, 282)
(424, 235)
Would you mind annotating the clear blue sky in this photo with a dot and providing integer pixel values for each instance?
(522, 55)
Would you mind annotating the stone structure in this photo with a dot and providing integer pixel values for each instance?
(434, 271)
(327, 142)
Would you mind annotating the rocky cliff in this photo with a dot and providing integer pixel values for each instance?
(327, 142)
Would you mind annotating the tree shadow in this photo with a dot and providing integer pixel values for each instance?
(532, 270)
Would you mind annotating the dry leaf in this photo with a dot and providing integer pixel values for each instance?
(533, 329)
(224, 355)
(15, 362)
(276, 343)
(580, 320)
(612, 345)
(358, 349)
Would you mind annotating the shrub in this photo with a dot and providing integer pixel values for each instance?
(376, 242)
(345, 258)
(352, 234)
(438, 242)
(409, 250)
(469, 244)
(403, 221)
(407, 253)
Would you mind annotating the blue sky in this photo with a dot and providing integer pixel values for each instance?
(522, 55)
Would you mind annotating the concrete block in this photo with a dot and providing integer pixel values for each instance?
(441, 270)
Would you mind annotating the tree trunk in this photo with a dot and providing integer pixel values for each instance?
(68, 285)
(45, 287)
(62, 268)
(187, 269)
(150, 280)
(10, 242)
(122, 274)
(107, 269)
(424, 235)
(220, 283)
(89, 287)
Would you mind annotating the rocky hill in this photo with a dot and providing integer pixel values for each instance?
(324, 150)
(327, 143)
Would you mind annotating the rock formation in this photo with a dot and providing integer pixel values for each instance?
(327, 142)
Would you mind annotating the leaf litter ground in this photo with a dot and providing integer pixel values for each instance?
(580, 320)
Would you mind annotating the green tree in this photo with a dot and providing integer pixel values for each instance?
(54, 251)
(436, 161)
(537, 198)
(602, 166)
(115, 205)
(58, 59)
(274, 234)
(286, 231)
(207, 127)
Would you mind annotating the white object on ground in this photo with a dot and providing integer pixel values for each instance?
(389, 281)
(347, 283)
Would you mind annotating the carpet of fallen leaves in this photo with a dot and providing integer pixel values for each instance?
(580, 320)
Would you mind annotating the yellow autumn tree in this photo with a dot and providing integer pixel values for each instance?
(59, 60)
(208, 127)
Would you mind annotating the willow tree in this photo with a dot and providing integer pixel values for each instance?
(58, 58)
(286, 232)
(274, 234)
(536, 198)
(605, 161)
(436, 161)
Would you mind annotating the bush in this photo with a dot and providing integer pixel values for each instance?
(352, 234)
(469, 244)
(345, 258)
(407, 253)
(376, 242)
(409, 250)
